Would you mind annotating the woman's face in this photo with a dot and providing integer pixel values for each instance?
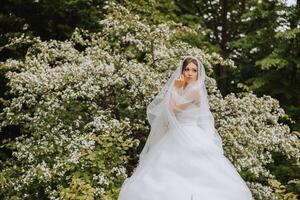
(190, 72)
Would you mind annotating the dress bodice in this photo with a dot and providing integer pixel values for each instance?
(188, 116)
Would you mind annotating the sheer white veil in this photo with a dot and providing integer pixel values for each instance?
(161, 117)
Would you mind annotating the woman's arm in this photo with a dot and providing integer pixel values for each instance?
(180, 103)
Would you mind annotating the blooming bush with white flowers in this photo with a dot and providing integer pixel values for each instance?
(80, 105)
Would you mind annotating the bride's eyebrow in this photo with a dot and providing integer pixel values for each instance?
(192, 68)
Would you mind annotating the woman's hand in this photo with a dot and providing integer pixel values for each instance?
(179, 82)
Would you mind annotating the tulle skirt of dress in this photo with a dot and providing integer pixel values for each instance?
(185, 167)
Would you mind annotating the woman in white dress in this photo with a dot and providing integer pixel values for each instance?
(183, 156)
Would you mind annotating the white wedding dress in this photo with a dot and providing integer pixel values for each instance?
(185, 165)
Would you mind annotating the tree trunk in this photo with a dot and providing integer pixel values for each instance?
(223, 44)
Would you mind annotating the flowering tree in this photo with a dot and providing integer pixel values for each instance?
(80, 105)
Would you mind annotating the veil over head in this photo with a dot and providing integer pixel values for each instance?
(162, 117)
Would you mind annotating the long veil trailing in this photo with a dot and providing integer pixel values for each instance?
(161, 116)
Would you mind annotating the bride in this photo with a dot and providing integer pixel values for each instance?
(183, 156)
